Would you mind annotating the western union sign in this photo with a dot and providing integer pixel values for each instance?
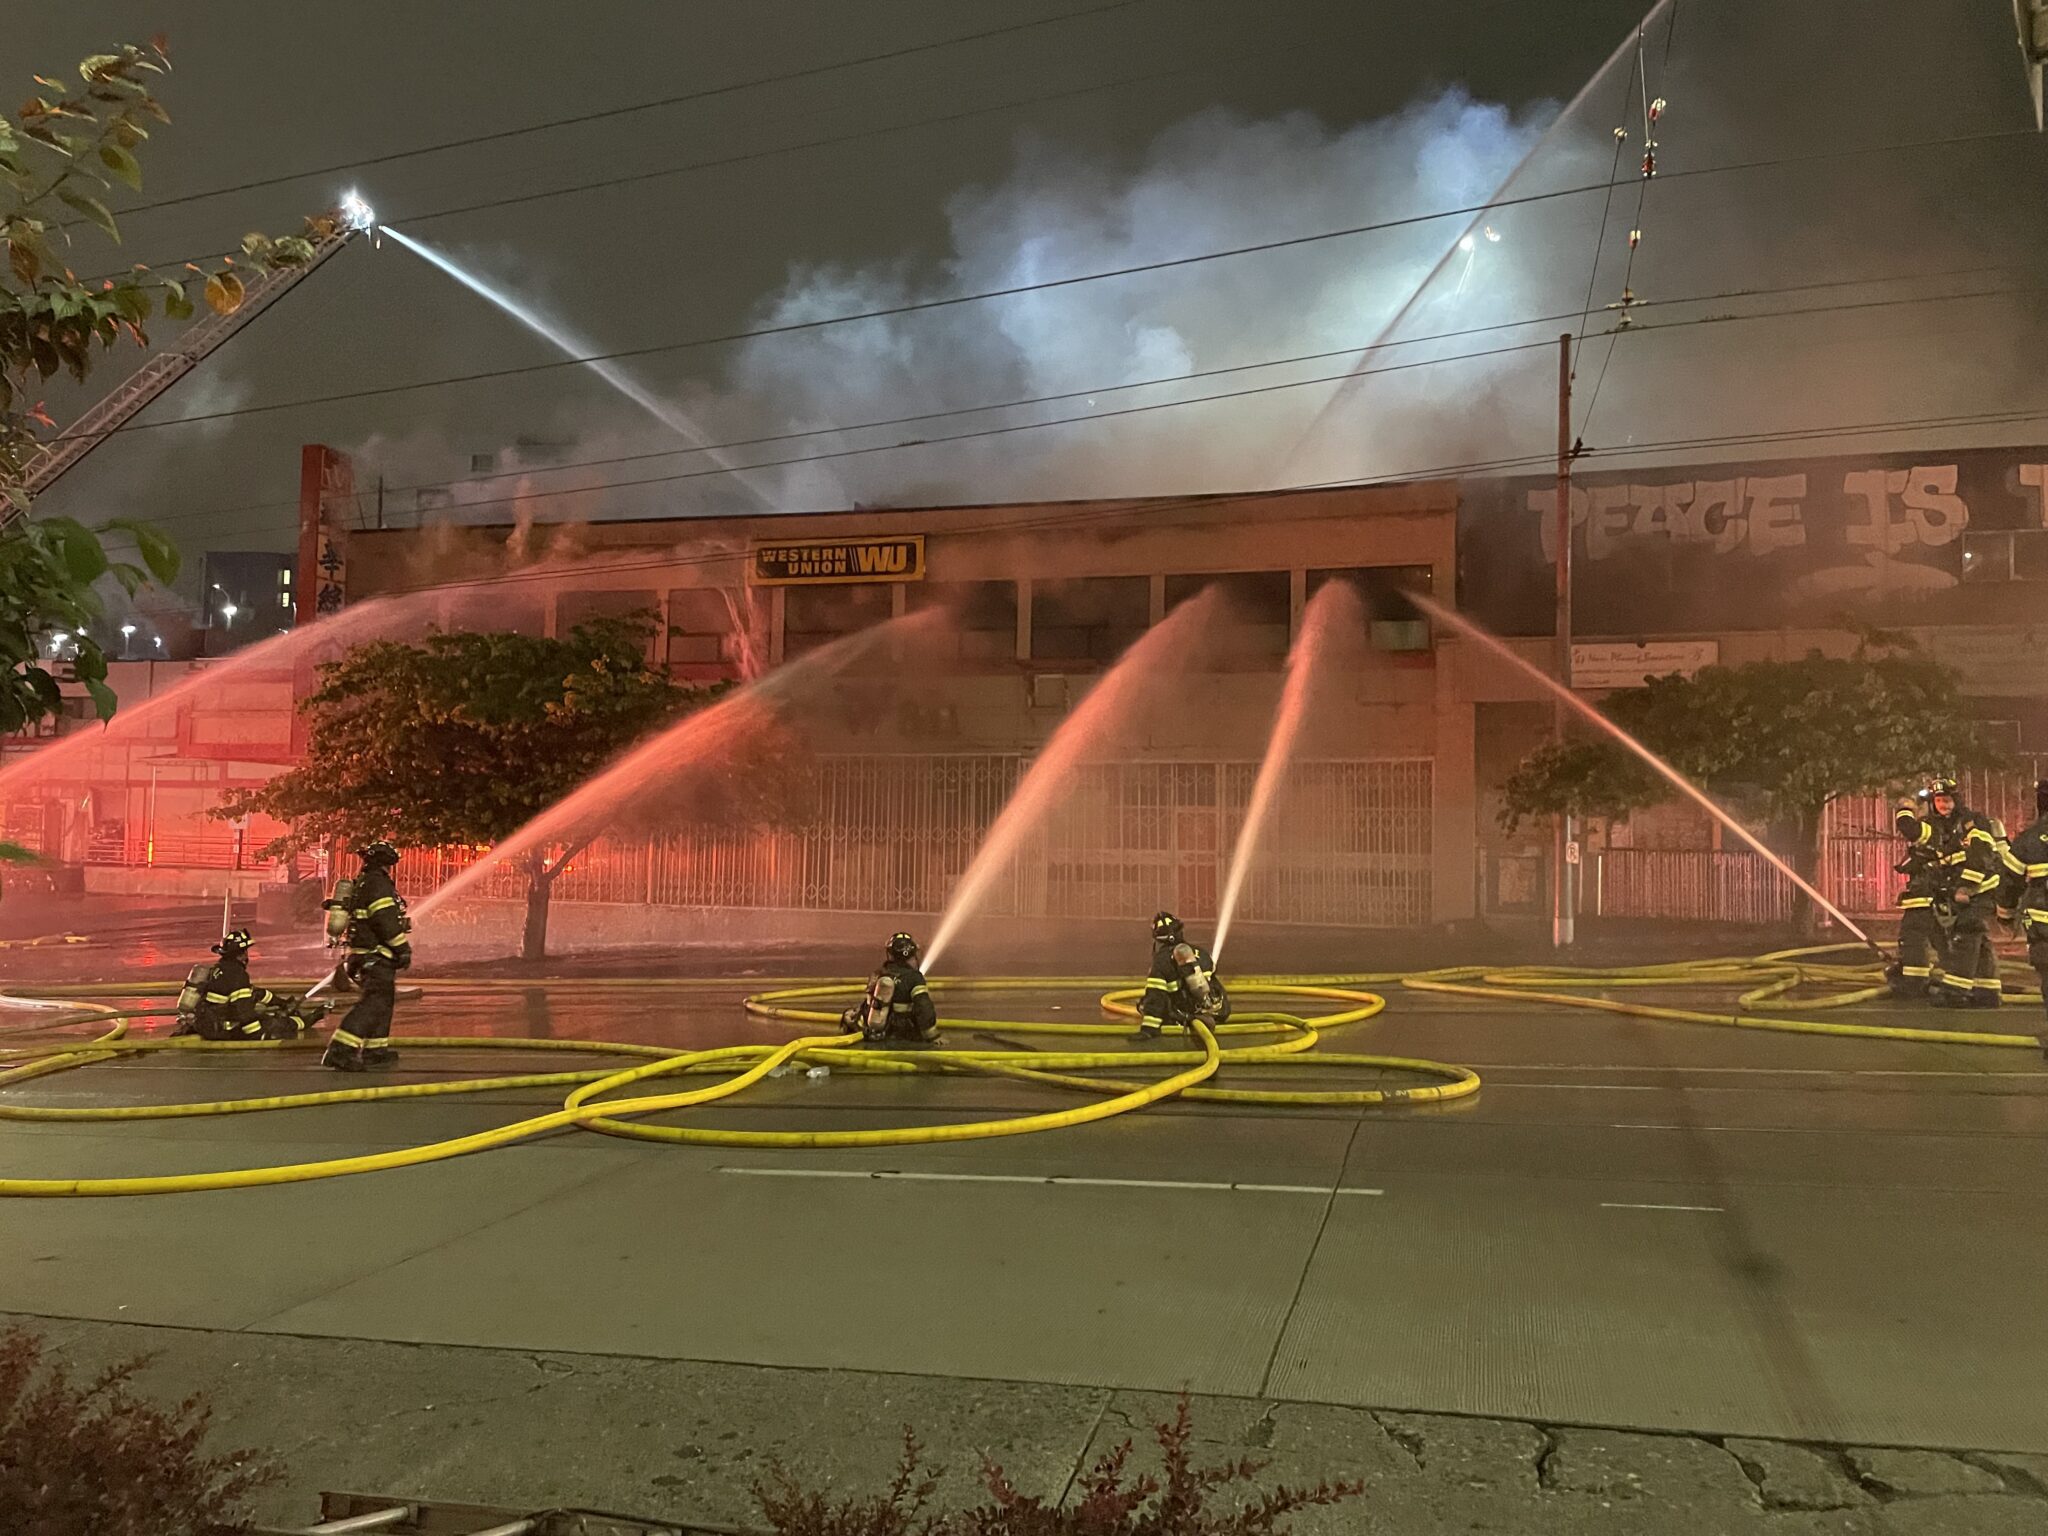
(787, 564)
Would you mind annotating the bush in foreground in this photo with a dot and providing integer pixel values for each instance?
(1110, 1501)
(96, 1460)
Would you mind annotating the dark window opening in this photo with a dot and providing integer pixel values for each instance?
(1392, 622)
(983, 617)
(1090, 618)
(574, 608)
(816, 616)
(1257, 608)
(2030, 556)
(513, 615)
(708, 626)
(1988, 557)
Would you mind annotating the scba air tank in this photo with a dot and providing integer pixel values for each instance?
(341, 907)
(194, 989)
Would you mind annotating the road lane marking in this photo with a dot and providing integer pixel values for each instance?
(1625, 1205)
(803, 1173)
(1594, 1087)
(933, 1176)
(1775, 1130)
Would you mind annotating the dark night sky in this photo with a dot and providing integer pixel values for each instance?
(263, 91)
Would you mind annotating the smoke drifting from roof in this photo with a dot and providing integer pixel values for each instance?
(1214, 181)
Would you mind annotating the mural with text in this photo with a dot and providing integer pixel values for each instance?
(1884, 538)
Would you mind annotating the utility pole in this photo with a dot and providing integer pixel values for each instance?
(1564, 867)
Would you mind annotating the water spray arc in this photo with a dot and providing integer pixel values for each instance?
(1495, 647)
(661, 410)
(658, 762)
(136, 724)
(1464, 243)
(1037, 794)
(1326, 615)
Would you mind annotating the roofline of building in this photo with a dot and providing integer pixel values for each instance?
(1132, 506)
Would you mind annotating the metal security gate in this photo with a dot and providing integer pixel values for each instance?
(1349, 844)
(1688, 883)
(1857, 851)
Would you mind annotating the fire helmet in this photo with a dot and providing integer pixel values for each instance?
(1943, 785)
(378, 855)
(1166, 928)
(235, 945)
(902, 947)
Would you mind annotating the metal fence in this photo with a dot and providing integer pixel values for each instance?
(1697, 884)
(1857, 851)
(1349, 845)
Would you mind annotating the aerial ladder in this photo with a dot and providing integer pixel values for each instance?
(194, 344)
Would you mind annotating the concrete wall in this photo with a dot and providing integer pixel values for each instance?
(117, 880)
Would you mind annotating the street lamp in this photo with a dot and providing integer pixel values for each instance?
(228, 612)
(127, 635)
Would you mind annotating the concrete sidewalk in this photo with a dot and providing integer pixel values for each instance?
(685, 1441)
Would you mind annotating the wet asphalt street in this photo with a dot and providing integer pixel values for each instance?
(1633, 1223)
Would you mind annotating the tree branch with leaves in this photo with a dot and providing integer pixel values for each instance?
(1776, 740)
(61, 155)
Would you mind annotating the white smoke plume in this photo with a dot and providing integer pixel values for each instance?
(1216, 180)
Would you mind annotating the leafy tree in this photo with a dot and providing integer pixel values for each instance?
(1780, 738)
(48, 569)
(462, 739)
(60, 154)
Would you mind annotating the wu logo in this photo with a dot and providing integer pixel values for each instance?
(882, 560)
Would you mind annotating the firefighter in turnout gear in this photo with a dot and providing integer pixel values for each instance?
(897, 1008)
(1182, 985)
(379, 941)
(1924, 903)
(1972, 850)
(2025, 895)
(226, 1005)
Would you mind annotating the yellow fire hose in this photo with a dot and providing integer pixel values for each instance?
(591, 1105)
(1767, 984)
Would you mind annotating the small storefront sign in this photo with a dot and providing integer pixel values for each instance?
(800, 562)
(1624, 665)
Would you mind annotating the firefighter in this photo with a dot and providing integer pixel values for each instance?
(897, 1007)
(1182, 985)
(1924, 903)
(1973, 852)
(2025, 894)
(230, 1006)
(379, 947)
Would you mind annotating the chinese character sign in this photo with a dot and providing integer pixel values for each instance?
(327, 489)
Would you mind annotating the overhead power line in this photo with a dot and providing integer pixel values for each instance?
(607, 114)
(524, 498)
(1014, 290)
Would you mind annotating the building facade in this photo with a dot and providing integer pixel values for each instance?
(1390, 816)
